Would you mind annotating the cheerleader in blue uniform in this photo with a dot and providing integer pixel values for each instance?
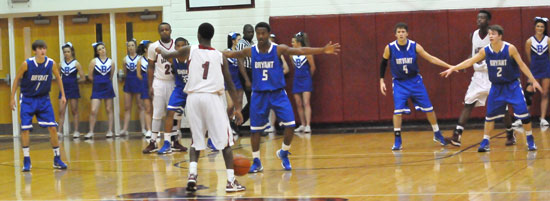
(145, 115)
(70, 68)
(536, 48)
(304, 68)
(132, 85)
(101, 74)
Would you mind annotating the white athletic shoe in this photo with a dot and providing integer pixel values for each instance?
(109, 134)
(76, 134)
(300, 129)
(143, 131)
(543, 123)
(148, 134)
(122, 133)
(270, 129)
(89, 136)
(517, 123)
(307, 129)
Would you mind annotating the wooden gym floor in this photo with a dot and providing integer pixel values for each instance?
(346, 166)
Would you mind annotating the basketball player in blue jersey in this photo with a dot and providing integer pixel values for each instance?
(502, 60)
(35, 77)
(407, 82)
(70, 68)
(132, 86)
(536, 48)
(177, 100)
(268, 85)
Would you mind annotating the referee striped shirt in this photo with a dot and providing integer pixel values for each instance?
(244, 44)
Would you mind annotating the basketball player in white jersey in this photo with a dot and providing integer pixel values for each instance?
(479, 87)
(161, 84)
(208, 70)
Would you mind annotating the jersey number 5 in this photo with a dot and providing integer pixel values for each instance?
(264, 75)
(205, 72)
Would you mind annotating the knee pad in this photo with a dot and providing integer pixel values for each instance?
(526, 121)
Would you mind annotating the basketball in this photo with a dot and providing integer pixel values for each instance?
(241, 165)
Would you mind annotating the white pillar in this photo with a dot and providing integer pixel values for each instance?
(14, 113)
(66, 123)
(116, 110)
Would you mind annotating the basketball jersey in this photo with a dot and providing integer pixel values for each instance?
(302, 66)
(144, 64)
(205, 70)
(403, 60)
(163, 67)
(37, 81)
(477, 44)
(267, 71)
(502, 68)
(181, 72)
(131, 66)
(102, 72)
(539, 52)
(69, 72)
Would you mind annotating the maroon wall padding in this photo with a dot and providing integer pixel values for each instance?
(424, 25)
(528, 15)
(462, 24)
(284, 29)
(359, 67)
(346, 87)
(326, 104)
(385, 34)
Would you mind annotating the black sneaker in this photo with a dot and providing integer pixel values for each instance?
(457, 135)
(177, 147)
(192, 183)
(152, 147)
(510, 138)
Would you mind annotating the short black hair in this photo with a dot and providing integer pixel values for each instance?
(164, 23)
(497, 28)
(247, 26)
(141, 48)
(38, 44)
(263, 25)
(182, 39)
(486, 12)
(401, 25)
(206, 30)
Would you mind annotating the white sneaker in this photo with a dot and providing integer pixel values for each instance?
(122, 133)
(271, 129)
(517, 123)
(148, 134)
(76, 134)
(143, 131)
(300, 129)
(307, 129)
(109, 134)
(89, 136)
(59, 134)
(543, 123)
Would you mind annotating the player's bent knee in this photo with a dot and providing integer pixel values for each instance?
(526, 120)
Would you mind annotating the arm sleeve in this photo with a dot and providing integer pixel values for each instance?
(383, 66)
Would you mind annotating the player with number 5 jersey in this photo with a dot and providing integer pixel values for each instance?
(407, 82)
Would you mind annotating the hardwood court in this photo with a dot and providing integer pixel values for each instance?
(347, 166)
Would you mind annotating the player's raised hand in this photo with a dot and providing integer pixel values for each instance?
(382, 87)
(536, 86)
(238, 118)
(331, 48)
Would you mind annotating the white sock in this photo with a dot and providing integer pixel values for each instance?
(435, 127)
(154, 136)
(256, 154)
(528, 133)
(486, 137)
(167, 136)
(56, 151)
(396, 129)
(459, 127)
(230, 175)
(26, 152)
(285, 147)
(193, 168)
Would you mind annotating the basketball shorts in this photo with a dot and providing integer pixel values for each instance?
(263, 101)
(162, 90)
(177, 100)
(478, 90)
(501, 95)
(41, 107)
(414, 89)
(206, 112)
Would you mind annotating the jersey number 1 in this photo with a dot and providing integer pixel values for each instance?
(205, 72)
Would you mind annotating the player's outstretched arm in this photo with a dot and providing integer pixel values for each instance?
(383, 66)
(182, 53)
(515, 54)
(246, 52)
(55, 71)
(330, 48)
(16, 81)
(465, 64)
(232, 92)
(430, 58)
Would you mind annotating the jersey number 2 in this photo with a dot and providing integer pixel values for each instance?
(167, 69)
(205, 67)
(499, 71)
